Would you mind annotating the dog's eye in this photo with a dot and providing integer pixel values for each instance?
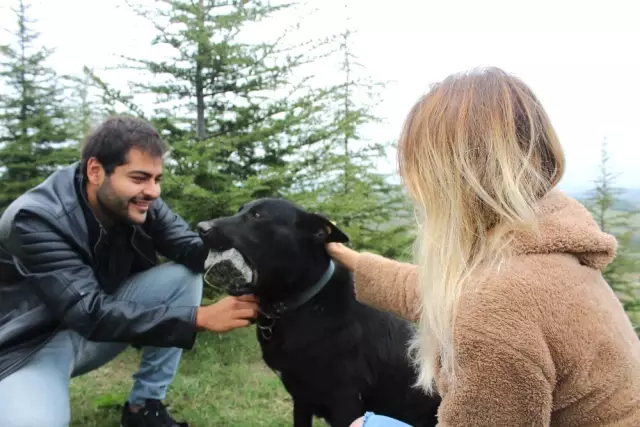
(255, 214)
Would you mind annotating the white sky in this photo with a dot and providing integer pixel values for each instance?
(581, 57)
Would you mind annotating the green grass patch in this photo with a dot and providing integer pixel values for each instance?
(221, 382)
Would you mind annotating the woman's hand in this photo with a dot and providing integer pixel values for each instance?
(344, 255)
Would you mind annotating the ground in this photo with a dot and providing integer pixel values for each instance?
(221, 382)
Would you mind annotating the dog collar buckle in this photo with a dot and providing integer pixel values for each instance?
(279, 308)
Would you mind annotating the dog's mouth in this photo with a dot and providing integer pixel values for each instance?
(232, 271)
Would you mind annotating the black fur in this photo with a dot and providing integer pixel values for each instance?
(337, 358)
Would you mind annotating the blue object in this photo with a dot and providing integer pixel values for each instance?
(373, 420)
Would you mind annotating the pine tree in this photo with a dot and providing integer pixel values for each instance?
(34, 136)
(231, 109)
(340, 174)
(622, 273)
(34, 128)
(87, 105)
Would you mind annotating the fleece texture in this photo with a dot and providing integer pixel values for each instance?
(543, 341)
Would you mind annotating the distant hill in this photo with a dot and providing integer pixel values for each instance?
(628, 199)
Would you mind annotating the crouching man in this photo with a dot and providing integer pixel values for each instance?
(79, 282)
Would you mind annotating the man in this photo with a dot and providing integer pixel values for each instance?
(79, 281)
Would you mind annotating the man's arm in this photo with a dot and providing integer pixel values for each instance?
(70, 290)
(174, 238)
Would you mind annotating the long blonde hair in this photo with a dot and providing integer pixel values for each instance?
(475, 154)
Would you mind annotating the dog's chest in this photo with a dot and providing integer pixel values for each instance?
(309, 359)
(306, 374)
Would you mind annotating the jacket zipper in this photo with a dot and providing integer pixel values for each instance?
(138, 250)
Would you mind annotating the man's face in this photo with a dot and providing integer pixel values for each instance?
(127, 194)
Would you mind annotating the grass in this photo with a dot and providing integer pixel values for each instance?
(221, 382)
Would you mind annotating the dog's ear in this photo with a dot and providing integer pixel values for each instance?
(323, 228)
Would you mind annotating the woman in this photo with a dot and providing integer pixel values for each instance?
(516, 325)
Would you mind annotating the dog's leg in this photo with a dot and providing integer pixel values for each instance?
(302, 414)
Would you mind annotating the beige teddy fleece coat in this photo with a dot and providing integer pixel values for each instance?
(544, 342)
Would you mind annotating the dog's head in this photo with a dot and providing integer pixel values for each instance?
(283, 244)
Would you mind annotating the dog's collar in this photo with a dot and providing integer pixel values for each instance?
(301, 299)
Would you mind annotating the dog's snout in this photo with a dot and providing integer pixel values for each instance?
(204, 227)
(213, 236)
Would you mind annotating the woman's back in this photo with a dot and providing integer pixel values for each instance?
(541, 342)
(545, 341)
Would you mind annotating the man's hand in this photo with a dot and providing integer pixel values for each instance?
(227, 314)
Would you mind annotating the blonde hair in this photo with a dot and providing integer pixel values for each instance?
(475, 154)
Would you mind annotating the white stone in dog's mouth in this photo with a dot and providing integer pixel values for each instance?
(230, 255)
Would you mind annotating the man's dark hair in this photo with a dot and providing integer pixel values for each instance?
(111, 142)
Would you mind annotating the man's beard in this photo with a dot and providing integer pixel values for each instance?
(115, 208)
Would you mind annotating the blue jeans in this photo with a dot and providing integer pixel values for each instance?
(37, 395)
(373, 420)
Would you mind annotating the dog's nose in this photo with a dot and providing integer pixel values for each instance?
(213, 236)
(203, 228)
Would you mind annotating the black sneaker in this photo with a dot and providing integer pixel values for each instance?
(153, 414)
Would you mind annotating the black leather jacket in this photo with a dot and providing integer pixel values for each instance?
(58, 267)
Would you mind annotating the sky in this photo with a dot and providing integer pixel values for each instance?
(580, 57)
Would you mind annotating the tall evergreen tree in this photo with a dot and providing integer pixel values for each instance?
(341, 174)
(622, 274)
(34, 128)
(230, 108)
(87, 104)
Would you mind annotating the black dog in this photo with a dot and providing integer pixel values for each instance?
(337, 358)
